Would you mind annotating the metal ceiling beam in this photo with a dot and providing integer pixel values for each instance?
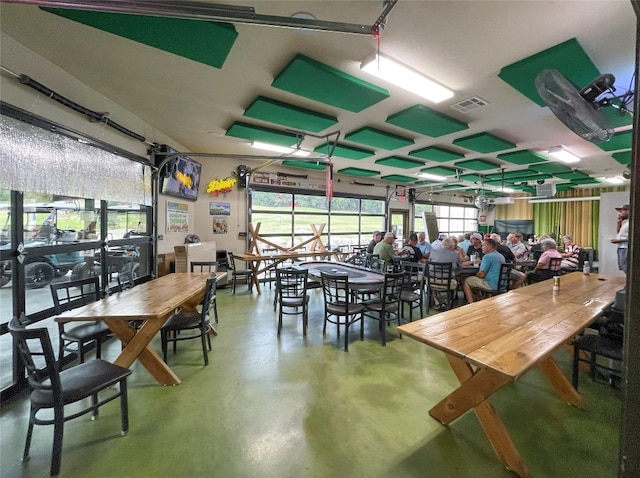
(210, 12)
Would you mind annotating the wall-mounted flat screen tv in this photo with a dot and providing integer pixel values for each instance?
(181, 178)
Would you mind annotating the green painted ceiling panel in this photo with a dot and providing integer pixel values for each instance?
(484, 143)
(434, 153)
(620, 140)
(568, 58)
(470, 177)
(616, 119)
(359, 172)
(273, 111)
(522, 157)
(259, 133)
(305, 165)
(378, 139)
(623, 157)
(425, 183)
(509, 174)
(398, 178)
(204, 42)
(451, 186)
(532, 178)
(476, 165)
(440, 171)
(396, 162)
(571, 175)
(550, 168)
(586, 181)
(344, 151)
(564, 187)
(423, 120)
(311, 79)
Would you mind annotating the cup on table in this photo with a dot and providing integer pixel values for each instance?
(473, 258)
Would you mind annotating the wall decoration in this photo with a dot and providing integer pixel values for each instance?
(177, 217)
(220, 225)
(221, 186)
(287, 181)
(219, 209)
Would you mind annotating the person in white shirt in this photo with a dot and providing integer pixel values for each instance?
(423, 245)
(516, 246)
(622, 239)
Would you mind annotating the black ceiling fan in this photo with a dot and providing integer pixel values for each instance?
(581, 109)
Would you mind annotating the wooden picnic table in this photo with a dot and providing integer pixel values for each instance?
(492, 342)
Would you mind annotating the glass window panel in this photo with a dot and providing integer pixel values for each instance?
(126, 220)
(456, 211)
(456, 226)
(262, 200)
(443, 225)
(372, 206)
(471, 213)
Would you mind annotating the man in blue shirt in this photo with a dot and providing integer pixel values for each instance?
(489, 273)
(423, 245)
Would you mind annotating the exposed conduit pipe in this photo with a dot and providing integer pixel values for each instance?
(93, 115)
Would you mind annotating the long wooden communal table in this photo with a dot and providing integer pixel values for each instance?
(152, 302)
(493, 342)
(254, 261)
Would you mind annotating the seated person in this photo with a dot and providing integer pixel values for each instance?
(410, 251)
(377, 237)
(516, 245)
(536, 249)
(571, 254)
(384, 249)
(516, 277)
(542, 271)
(476, 246)
(423, 245)
(489, 274)
(448, 252)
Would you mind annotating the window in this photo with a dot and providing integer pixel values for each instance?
(452, 219)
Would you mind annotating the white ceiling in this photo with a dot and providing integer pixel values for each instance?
(461, 44)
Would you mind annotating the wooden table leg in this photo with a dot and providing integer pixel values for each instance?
(560, 383)
(136, 346)
(475, 389)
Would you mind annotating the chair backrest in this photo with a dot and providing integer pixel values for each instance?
(335, 288)
(504, 282)
(391, 289)
(555, 263)
(415, 274)
(208, 302)
(370, 258)
(440, 271)
(582, 257)
(72, 294)
(42, 373)
(204, 266)
(291, 283)
(397, 263)
(358, 260)
(231, 261)
(377, 265)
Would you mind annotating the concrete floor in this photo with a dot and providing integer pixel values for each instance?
(302, 407)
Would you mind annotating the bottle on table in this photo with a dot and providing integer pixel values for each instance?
(586, 268)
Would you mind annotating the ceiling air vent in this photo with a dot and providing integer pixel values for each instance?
(470, 104)
(545, 190)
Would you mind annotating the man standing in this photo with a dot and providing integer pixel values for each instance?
(384, 249)
(377, 237)
(489, 273)
(622, 239)
(423, 245)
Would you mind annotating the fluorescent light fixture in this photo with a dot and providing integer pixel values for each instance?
(576, 199)
(615, 180)
(563, 155)
(280, 149)
(405, 77)
(504, 190)
(435, 177)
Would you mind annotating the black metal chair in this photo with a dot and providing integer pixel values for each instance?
(606, 345)
(194, 321)
(72, 294)
(53, 389)
(384, 307)
(441, 284)
(291, 287)
(504, 284)
(378, 265)
(242, 274)
(339, 307)
(270, 273)
(210, 267)
(413, 289)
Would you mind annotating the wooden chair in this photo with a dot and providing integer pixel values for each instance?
(195, 321)
(291, 287)
(413, 289)
(339, 307)
(441, 283)
(72, 294)
(387, 305)
(53, 389)
(242, 274)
